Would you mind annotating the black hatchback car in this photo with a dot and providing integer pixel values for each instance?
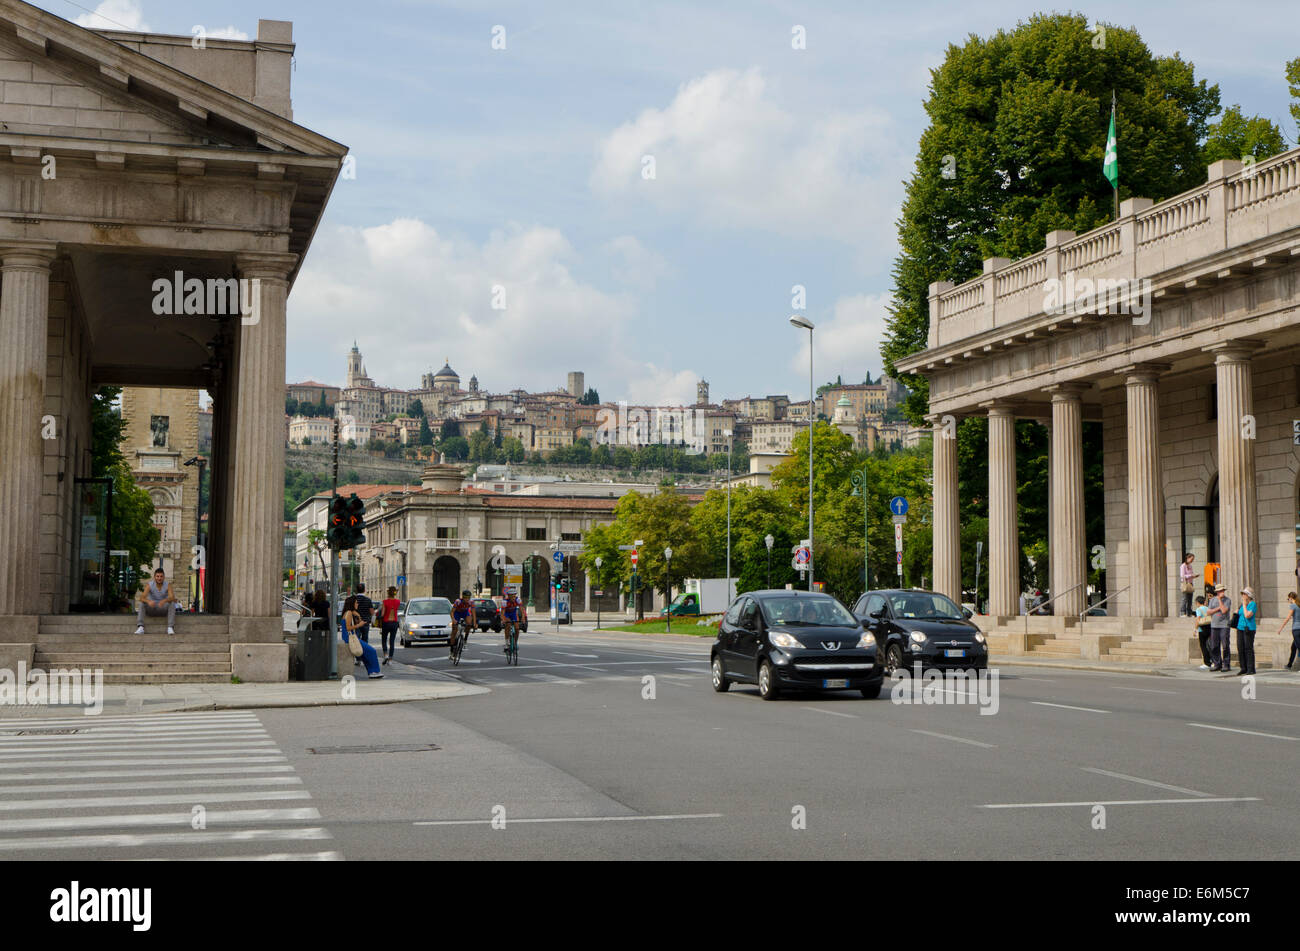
(786, 640)
(487, 613)
(914, 626)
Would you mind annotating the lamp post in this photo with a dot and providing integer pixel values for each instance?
(803, 322)
(598, 561)
(668, 588)
(727, 433)
(530, 569)
(199, 461)
(859, 479)
(769, 541)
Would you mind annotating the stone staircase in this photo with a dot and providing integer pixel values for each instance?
(199, 652)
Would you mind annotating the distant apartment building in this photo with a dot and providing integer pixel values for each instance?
(311, 392)
(310, 430)
(773, 435)
(865, 399)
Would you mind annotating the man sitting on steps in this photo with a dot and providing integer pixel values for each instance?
(156, 601)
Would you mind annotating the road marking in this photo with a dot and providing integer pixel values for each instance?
(1228, 729)
(1115, 802)
(1172, 693)
(1065, 706)
(1146, 782)
(957, 739)
(132, 840)
(157, 819)
(584, 656)
(158, 762)
(833, 713)
(550, 679)
(271, 857)
(155, 784)
(133, 773)
(1276, 703)
(1041, 680)
(97, 802)
(484, 822)
(73, 748)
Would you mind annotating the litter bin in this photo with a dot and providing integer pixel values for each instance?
(313, 656)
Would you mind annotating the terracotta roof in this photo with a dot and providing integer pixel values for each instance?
(329, 386)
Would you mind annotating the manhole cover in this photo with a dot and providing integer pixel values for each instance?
(385, 748)
(44, 732)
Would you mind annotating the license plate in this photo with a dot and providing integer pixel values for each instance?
(834, 683)
(954, 653)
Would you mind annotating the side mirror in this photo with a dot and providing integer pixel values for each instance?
(968, 612)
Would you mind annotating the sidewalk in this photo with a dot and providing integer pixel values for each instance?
(132, 699)
(1267, 675)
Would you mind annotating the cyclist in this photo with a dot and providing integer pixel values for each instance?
(510, 617)
(463, 619)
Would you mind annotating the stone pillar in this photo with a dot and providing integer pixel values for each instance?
(947, 525)
(1004, 533)
(586, 591)
(1238, 519)
(1148, 590)
(1067, 543)
(24, 326)
(257, 466)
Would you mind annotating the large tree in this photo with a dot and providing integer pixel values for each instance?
(133, 528)
(1235, 136)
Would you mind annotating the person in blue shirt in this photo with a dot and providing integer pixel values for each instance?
(351, 628)
(1247, 624)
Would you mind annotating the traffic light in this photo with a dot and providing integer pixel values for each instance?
(338, 532)
(356, 522)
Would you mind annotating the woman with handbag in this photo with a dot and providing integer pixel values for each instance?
(1203, 632)
(351, 624)
(1187, 579)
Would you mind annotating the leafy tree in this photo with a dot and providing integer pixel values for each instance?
(132, 508)
(416, 408)
(290, 406)
(755, 513)
(513, 448)
(615, 566)
(1014, 150)
(663, 520)
(1234, 136)
(590, 398)
(1293, 86)
(455, 448)
(449, 429)
(426, 434)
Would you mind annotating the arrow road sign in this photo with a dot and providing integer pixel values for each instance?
(558, 557)
(898, 505)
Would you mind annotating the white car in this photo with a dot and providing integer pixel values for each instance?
(426, 621)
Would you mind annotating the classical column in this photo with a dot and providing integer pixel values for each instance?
(947, 526)
(586, 591)
(1004, 534)
(24, 309)
(1238, 521)
(1148, 591)
(1067, 543)
(257, 470)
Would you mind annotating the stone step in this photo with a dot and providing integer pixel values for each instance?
(158, 666)
(145, 677)
(123, 641)
(84, 659)
(108, 623)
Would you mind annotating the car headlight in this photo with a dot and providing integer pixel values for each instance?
(412, 625)
(979, 637)
(782, 639)
(917, 637)
(866, 640)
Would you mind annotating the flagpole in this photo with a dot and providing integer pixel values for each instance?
(1115, 184)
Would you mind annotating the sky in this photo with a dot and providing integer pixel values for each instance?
(633, 189)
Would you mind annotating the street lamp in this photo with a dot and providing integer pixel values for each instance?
(859, 479)
(769, 541)
(727, 433)
(668, 588)
(598, 562)
(530, 569)
(199, 461)
(804, 323)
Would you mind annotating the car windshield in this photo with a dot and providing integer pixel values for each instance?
(923, 605)
(810, 611)
(429, 606)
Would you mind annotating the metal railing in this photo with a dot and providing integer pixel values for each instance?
(1037, 612)
(1104, 600)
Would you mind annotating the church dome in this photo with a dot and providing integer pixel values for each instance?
(446, 374)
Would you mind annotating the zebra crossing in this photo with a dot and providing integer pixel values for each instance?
(210, 786)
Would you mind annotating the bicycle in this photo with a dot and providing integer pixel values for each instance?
(460, 634)
(512, 642)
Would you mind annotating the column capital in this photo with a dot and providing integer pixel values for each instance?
(999, 408)
(1136, 373)
(265, 265)
(1233, 351)
(18, 253)
(1067, 392)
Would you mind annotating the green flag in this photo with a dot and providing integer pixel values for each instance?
(1110, 167)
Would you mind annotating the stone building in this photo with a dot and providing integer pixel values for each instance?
(1176, 329)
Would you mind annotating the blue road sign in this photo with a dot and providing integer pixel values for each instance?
(401, 579)
(558, 557)
(898, 505)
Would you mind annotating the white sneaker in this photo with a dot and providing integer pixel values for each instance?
(140, 629)
(1205, 667)
(171, 630)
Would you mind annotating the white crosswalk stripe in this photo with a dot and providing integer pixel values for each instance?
(155, 786)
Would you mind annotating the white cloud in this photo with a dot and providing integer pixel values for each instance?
(634, 264)
(413, 298)
(227, 33)
(726, 152)
(847, 343)
(115, 15)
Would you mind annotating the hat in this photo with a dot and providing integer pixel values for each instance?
(1220, 587)
(1246, 591)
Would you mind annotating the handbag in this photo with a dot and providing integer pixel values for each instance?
(1232, 621)
(1188, 587)
(1203, 621)
(354, 642)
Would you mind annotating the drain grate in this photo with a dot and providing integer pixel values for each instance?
(385, 748)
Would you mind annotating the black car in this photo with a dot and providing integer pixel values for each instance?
(914, 626)
(786, 640)
(487, 613)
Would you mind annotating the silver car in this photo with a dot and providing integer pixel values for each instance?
(426, 621)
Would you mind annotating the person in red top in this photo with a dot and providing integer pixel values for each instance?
(388, 623)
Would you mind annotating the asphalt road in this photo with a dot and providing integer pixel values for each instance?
(576, 754)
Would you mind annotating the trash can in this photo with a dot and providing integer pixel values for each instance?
(313, 654)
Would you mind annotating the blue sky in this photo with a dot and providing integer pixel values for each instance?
(522, 169)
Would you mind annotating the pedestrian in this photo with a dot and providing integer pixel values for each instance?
(1220, 638)
(1187, 579)
(352, 625)
(388, 623)
(1203, 631)
(1247, 624)
(155, 601)
(365, 608)
(1294, 617)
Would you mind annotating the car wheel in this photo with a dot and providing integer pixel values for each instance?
(404, 642)
(767, 688)
(872, 692)
(720, 682)
(893, 658)
(496, 628)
